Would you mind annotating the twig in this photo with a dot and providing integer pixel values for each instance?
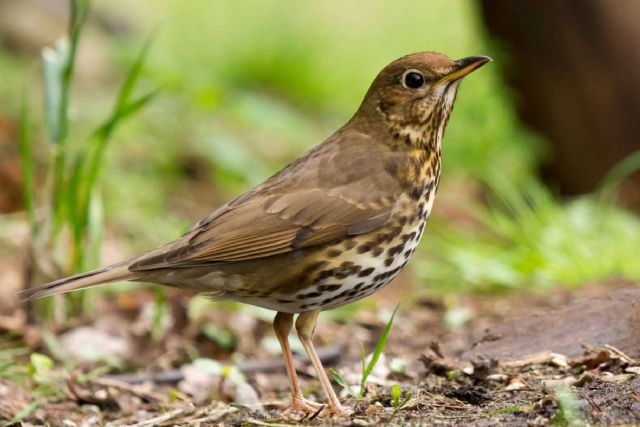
(111, 382)
(213, 417)
(624, 357)
(165, 417)
(264, 423)
(593, 404)
(328, 355)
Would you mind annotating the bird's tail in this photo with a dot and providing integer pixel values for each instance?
(89, 279)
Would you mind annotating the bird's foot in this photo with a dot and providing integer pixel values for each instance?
(305, 408)
(339, 411)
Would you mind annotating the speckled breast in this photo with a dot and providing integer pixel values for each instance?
(352, 269)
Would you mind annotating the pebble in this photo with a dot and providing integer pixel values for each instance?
(559, 360)
(501, 378)
(621, 378)
(468, 370)
(374, 409)
(515, 385)
(553, 383)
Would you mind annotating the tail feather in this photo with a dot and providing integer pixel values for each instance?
(89, 279)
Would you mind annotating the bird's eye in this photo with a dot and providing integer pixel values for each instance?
(413, 80)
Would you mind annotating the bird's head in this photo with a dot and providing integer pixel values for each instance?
(413, 96)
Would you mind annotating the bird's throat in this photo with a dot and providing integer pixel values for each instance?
(423, 172)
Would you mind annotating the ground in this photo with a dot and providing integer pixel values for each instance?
(469, 366)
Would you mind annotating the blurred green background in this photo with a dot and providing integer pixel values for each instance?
(245, 87)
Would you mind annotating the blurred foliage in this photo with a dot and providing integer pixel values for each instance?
(247, 89)
(70, 230)
(37, 371)
(275, 73)
(248, 86)
(526, 239)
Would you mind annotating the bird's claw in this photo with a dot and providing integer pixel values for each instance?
(305, 407)
(310, 410)
(339, 411)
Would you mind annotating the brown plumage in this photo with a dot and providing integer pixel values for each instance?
(332, 227)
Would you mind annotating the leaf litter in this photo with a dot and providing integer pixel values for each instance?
(425, 374)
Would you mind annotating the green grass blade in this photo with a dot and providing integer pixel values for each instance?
(25, 412)
(58, 66)
(123, 107)
(379, 349)
(395, 398)
(342, 382)
(75, 191)
(133, 75)
(87, 163)
(159, 314)
(85, 175)
(53, 62)
(395, 395)
(406, 399)
(95, 230)
(26, 156)
(79, 14)
(88, 169)
(108, 127)
(568, 413)
(363, 359)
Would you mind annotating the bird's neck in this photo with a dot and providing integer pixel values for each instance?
(423, 172)
(421, 144)
(413, 147)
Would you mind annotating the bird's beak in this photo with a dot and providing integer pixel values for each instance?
(463, 67)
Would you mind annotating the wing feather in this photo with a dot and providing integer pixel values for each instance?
(285, 214)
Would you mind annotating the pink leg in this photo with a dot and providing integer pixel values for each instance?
(305, 326)
(282, 325)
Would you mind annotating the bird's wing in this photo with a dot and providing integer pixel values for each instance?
(286, 214)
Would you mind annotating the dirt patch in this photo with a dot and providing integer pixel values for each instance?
(613, 318)
(445, 377)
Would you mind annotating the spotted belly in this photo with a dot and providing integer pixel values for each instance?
(349, 275)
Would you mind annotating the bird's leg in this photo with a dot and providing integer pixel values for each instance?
(282, 325)
(305, 326)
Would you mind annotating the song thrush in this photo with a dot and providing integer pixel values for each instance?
(331, 228)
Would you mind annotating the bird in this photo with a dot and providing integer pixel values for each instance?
(332, 227)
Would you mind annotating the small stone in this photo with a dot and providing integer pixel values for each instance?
(197, 383)
(515, 384)
(468, 370)
(554, 383)
(558, 360)
(456, 317)
(501, 378)
(247, 396)
(483, 367)
(91, 421)
(586, 378)
(374, 409)
(89, 344)
(398, 365)
(621, 378)
(633, 370)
